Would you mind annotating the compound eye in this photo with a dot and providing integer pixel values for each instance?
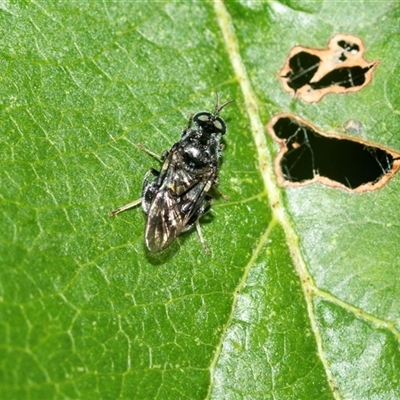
(219, 125)
(209, 123)
(202, 118)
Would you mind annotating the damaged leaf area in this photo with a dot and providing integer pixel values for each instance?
(312, 73)
(308, 155)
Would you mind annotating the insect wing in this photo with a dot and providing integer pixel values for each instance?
(163, 222)
(180, 197)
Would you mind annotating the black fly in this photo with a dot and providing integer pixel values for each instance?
(177, 196)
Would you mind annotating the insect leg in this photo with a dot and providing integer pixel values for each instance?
(152, 154)
(125, 207)
(147, 194)
(190, 122)
(194, 220)
(218, 192)
(201, 238)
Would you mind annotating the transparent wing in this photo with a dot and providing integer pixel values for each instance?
(181, 196)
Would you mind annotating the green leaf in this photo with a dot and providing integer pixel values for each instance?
(299, 298)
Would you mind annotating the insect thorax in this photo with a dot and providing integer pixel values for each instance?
(200, 149)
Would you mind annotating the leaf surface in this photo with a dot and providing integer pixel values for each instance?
(299, 298)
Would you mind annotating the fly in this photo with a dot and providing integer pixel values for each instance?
(175, 198)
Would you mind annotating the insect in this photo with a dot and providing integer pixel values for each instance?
(177, 196)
